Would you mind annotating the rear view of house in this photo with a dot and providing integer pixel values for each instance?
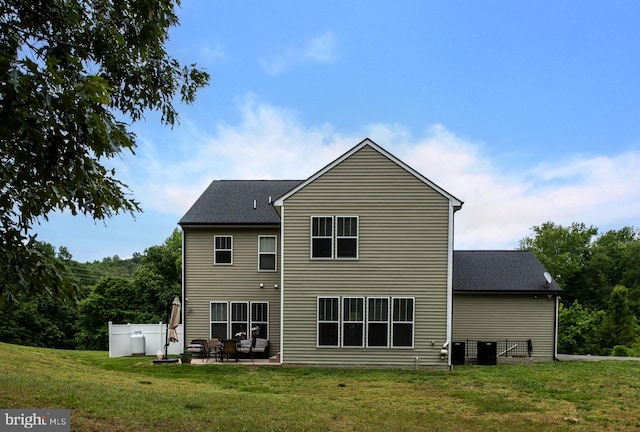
(353, 266)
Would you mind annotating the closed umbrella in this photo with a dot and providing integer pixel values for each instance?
(174, 321)
(172, 334)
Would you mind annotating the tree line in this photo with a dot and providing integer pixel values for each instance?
(600, 278)
(139, 289)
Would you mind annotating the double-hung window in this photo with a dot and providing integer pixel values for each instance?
(352, 322)
(260, 318)
(267, 253)
(347, 237)
(240, 319)
(378, 322)
(402, 324)
(322, 237)
(223, 250)
(328, 321)
(219, 320)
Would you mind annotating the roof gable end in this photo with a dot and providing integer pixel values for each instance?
(455, 202)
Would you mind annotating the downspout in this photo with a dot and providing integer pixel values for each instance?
(184, 299)
(452, 210)
(282, 284)
(555, 331)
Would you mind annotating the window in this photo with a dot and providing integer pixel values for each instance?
(239, 318)
(328, 321)
(402, 325)
(223, 250)
(267, 253)
(219, 320)
(352, 322)
(260, 318)
(347, 237)
(378, 322)
(322, 237)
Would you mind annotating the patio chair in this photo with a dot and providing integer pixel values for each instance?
(199, 347)
(229, 349)
(215, 347)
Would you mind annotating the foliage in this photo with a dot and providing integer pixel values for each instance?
(578, 328)
(122, 394)
(595, 314)
(145, 297)
(619, 326)
(620, 351)
(564, 252)
(42, 321)
(71, 74)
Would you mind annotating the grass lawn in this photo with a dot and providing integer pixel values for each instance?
(132, 394)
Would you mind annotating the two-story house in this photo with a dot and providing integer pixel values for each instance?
(353, 266)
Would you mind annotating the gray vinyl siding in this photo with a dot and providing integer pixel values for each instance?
(205, 282)
(403, 252)
(506, 316)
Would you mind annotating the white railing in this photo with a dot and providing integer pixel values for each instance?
(122, 344)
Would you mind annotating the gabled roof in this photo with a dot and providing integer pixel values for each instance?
(232, 202)
(499, 271)
(457, 204)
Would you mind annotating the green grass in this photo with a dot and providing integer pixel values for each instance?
(132, 394)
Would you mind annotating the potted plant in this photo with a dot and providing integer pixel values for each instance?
(185, 357)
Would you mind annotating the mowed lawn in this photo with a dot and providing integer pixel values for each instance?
(132, 394)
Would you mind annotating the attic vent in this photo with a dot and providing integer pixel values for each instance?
(255, 204)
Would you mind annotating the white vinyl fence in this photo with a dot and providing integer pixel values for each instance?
(128, 339)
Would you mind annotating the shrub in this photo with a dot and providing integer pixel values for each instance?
(620, 351)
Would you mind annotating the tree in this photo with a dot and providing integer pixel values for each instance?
(144, 298)
(577, 332)
(564, 252)
(619, 326)
(71, 74)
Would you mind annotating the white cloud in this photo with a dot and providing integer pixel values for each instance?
(212, 54)
(318, 49)
(501, 204)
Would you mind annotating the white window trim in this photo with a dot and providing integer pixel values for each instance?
(215, 261)
(211, 321)
(252, 323)
(357, 237)
(343, 322)
(388, 322)
(412, 322)
(327, 322)
(332, 237)
(274, 253)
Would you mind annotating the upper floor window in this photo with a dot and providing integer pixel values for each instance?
(267, 253)
(346, 237)
(223, 250)
(322, 237)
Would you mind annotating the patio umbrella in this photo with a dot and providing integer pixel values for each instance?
(174, 321)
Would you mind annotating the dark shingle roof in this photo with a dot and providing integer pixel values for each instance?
(231, 202)
(499, 271)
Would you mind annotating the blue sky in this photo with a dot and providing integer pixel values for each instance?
(527, 112)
